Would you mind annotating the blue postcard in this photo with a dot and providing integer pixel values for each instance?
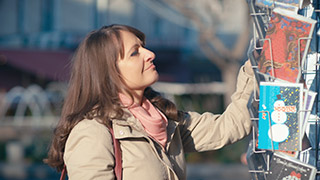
(279, 116)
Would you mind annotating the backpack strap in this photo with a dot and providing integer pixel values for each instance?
(117, 155)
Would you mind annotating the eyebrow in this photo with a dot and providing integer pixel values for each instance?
(133, 47)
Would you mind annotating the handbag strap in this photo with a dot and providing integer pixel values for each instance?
(63, 173)
(117, 155)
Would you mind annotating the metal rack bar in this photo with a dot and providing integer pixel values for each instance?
(316, 6)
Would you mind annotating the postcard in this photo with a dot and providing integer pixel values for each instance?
(286, 45)
(292, 5)
(279, 120)
(283, 167)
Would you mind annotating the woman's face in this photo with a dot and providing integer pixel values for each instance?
(136, 68)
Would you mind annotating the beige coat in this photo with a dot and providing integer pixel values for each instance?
(89, 152)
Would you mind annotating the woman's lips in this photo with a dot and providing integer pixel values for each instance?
(152, 66)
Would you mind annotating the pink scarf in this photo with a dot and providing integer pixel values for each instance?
(154, 122)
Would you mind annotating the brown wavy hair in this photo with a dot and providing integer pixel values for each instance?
(94, 86)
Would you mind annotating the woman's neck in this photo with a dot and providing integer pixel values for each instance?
(137, 96)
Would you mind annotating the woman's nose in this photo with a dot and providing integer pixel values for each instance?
(149, 55)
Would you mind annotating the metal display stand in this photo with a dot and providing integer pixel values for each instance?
(317, 77)
(260, 18)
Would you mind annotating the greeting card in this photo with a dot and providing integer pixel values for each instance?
(309, 97)
(292, 5)
(279, 120)
(286, 45)
(283, 167)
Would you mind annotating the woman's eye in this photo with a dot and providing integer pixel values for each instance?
(135, 53)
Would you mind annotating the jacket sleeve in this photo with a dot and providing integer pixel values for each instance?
(89, 152)
(203, 132)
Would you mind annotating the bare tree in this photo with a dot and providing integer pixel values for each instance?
(208, 16)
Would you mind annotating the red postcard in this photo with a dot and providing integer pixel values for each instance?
(286, 45)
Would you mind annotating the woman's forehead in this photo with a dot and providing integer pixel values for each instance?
(129, 40)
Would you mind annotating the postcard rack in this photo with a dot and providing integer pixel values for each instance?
(260, 17)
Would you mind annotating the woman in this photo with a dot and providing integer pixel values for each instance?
(109, 86)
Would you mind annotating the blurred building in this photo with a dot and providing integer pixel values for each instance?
(38, 37)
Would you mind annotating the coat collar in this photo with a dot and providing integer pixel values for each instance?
(127, 127)
(130, 127)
